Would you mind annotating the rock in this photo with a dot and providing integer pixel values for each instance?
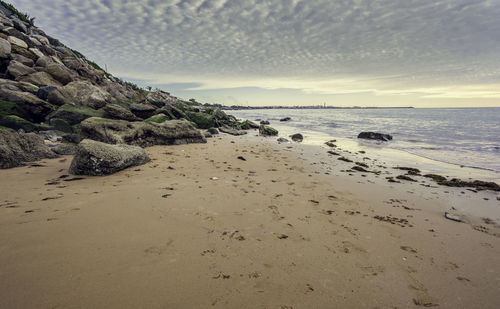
(143, 111)
(19, 25)
(265, 122)
(84, 93)
(330, 143)
(297, 137)
(115, 111)
(24, 60)
(74, 114)
(158, 98)
(283, 140)
(65, 149)
(213, 131)
(267, 131)
(232, 131)
(5, 49)
(17, 42)
(44, 91)
(40, 79)
(404, 177)
(158, 118)
(28, 106)
(36, 52)
(57, 98)
(375, 136)
(17, 69)
(60, 125)
(144, 134)
(97, 159)
(247, 125)
(286, 119)
(172, 111)
(16, 123)
(17, 148)
(44, 61)
(202, 119)
(60, 73)
(435, 177)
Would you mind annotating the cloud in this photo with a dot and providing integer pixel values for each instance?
(438, 48)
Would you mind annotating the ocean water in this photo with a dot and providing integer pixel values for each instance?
(464, 137)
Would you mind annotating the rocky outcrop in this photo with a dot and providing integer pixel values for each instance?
(267, 130)
(97, 159)
(17, 148)
(172, 132)
(375, 136)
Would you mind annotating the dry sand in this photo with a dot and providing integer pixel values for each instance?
(283, 229)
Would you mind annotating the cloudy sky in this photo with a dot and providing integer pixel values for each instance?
(291, 52)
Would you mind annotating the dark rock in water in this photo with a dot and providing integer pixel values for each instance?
(247, 125)
(213, 131)
(65, 149)
(267, 131)
(232, 131)
(286, 119)
(19, 147)
(375, 136)
(115, 111)
(297, 137)
(143, 111)
(144, 134)
(265, 122)
(98, 159)
(282, 140)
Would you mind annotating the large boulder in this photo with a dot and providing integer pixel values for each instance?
(375, 136)
(143, 111)
(40, 79)
(16, 123)
(17, 42)
(74, 114)
(28, 106)
(84, 93)
(201, 119)
(115, 111)
(97, 159)
(16, 69)
(5, 48)
(267, 130)
(17, 148)
(24, 60)
(172, 132)
(232, 131)
(60, 73)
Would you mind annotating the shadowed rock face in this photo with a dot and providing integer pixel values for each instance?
(144, 134)
(17, 148)
(98, 159)
(375, 136)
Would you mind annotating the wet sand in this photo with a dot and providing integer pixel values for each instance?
(197, 227)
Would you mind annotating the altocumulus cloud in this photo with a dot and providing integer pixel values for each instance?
(432, 48)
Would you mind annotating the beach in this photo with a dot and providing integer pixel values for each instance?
(243, 222)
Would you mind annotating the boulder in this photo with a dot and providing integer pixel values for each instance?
(17, 42)
(60, 73)
(265, 122)
(5, 48)
(97, 159)
(17, 69)
(19, 25)
(375, 136)
(286, 119)
(158, 98)
(213, 131)
(171, 111)
(247, 125)
(201, 119)
(74, 114)
(19, 147)
(36, 52)
(158, 118)
(143, 111)
(232, 131)
(297, 137)
(267, 131)
(15, 122)
(84, 93)
(44, 61)
(40, 79)
(28, 106)
(44, 91)
(115, 111)
(144, 134)
(24, 60)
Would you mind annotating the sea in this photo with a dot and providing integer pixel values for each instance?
(454, 141)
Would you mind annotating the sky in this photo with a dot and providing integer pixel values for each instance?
(421, 53)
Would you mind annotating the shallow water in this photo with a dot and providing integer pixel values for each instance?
(443, 139)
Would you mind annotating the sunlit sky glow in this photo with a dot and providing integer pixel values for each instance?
(422, 53)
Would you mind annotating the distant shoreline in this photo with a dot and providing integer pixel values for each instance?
(309, 107)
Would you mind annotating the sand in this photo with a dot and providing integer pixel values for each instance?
(199, 228)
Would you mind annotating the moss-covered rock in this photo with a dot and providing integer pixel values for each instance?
(7, 108)
(157, 118)
(213, 131)
(267, 130)
(61, 125)
(74, 114)
(16, 123)
(202, 120)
